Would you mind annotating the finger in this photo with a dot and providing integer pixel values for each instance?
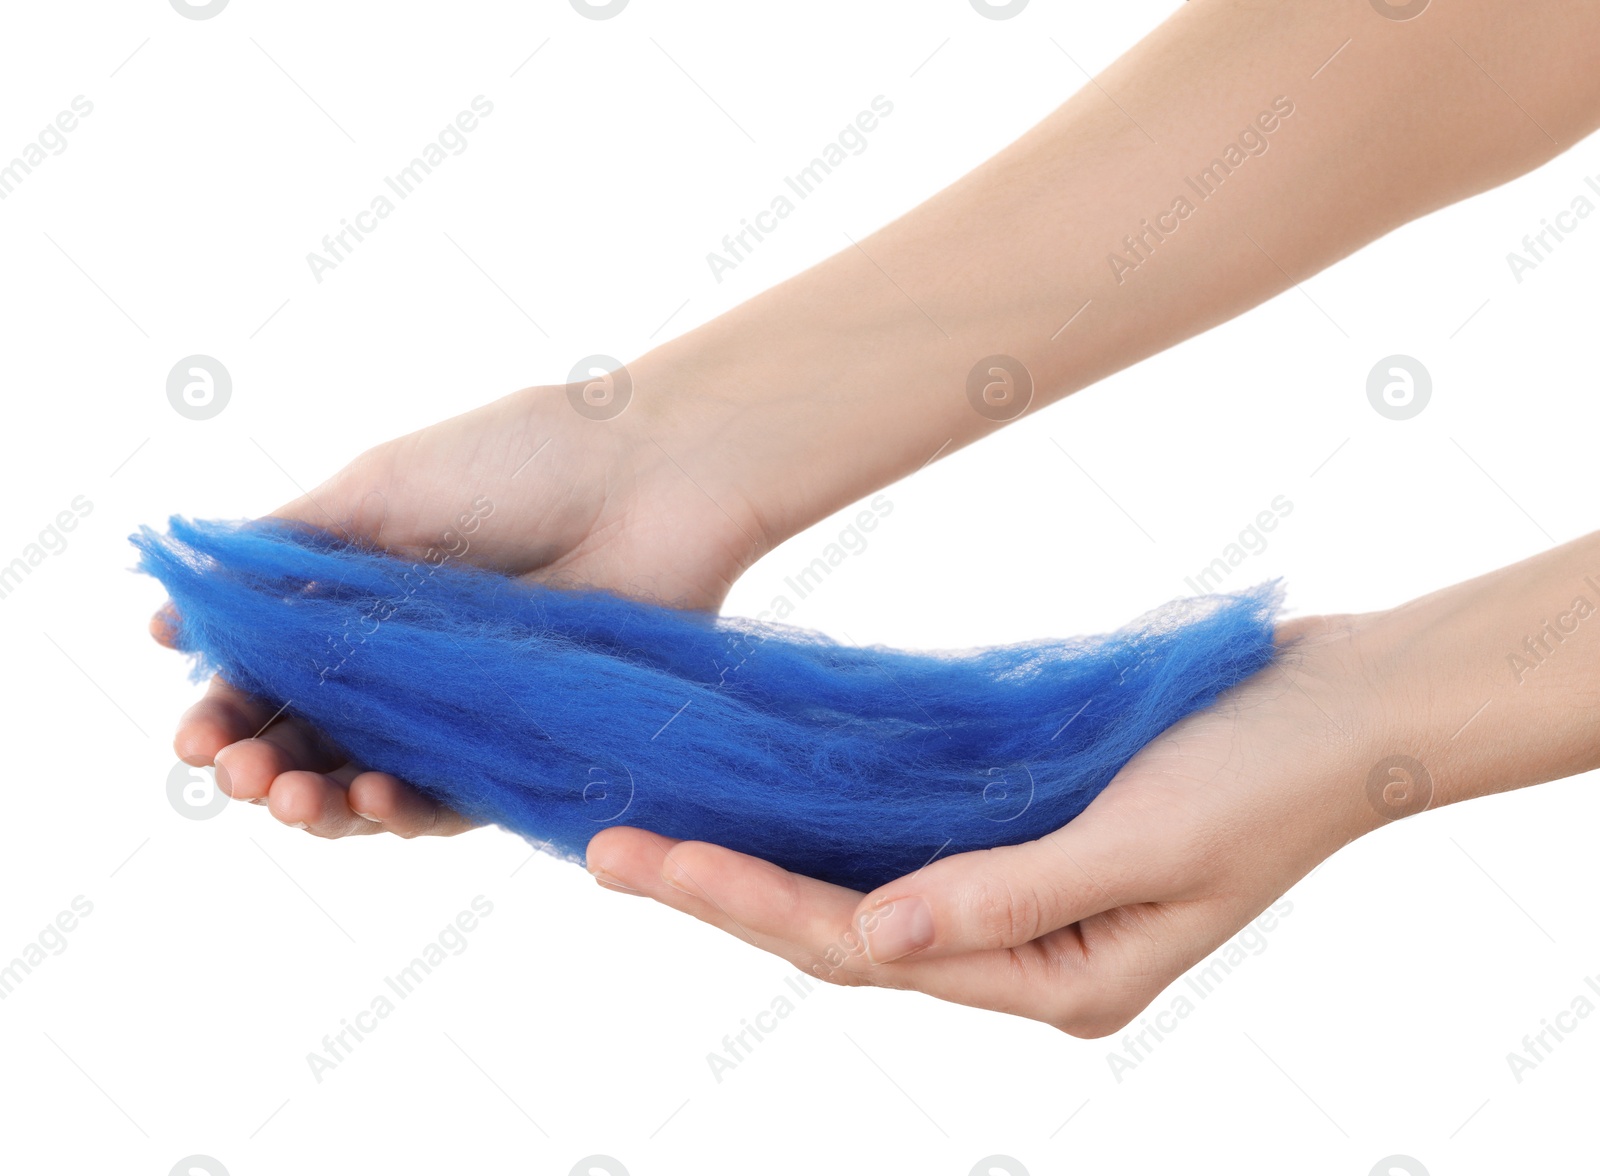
(318, 803)
(639, 862)
(768, 901)
(1133, 954)
(389, 804)
(1008, 896)
(627, 859)
(807, 921)
(302, 746)
(246, 769)
(1084, 980)
(225, 715)
(164, 625)
(1089, 979)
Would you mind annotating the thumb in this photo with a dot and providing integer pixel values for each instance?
(997, 898)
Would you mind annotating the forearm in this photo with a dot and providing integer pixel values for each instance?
(1490, 685)
(855, 372)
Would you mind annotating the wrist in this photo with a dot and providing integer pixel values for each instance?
(763, 416)
(1490, 685)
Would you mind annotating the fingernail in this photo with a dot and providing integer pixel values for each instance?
(256, 800)
(369, 817)
(224, 781)
(610, 883)
(895, 931)
(674, 876)
(297, 825)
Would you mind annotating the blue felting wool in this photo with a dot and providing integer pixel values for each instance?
(556, 713)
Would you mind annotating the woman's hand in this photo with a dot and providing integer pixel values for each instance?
(1489, 685)
(1198, 834)
(529, 485)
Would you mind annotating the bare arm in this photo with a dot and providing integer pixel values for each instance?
(1236, 149)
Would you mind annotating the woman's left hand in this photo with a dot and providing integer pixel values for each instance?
(1082, 929)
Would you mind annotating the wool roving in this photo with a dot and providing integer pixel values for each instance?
(556, 713)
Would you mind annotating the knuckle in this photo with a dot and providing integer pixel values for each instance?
(404, 824)
(697, 862)
(1005, 914)
(784, 892)
(431, 825)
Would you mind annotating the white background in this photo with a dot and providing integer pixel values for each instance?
(178, 1018)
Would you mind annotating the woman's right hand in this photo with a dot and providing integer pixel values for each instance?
(551, 492)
